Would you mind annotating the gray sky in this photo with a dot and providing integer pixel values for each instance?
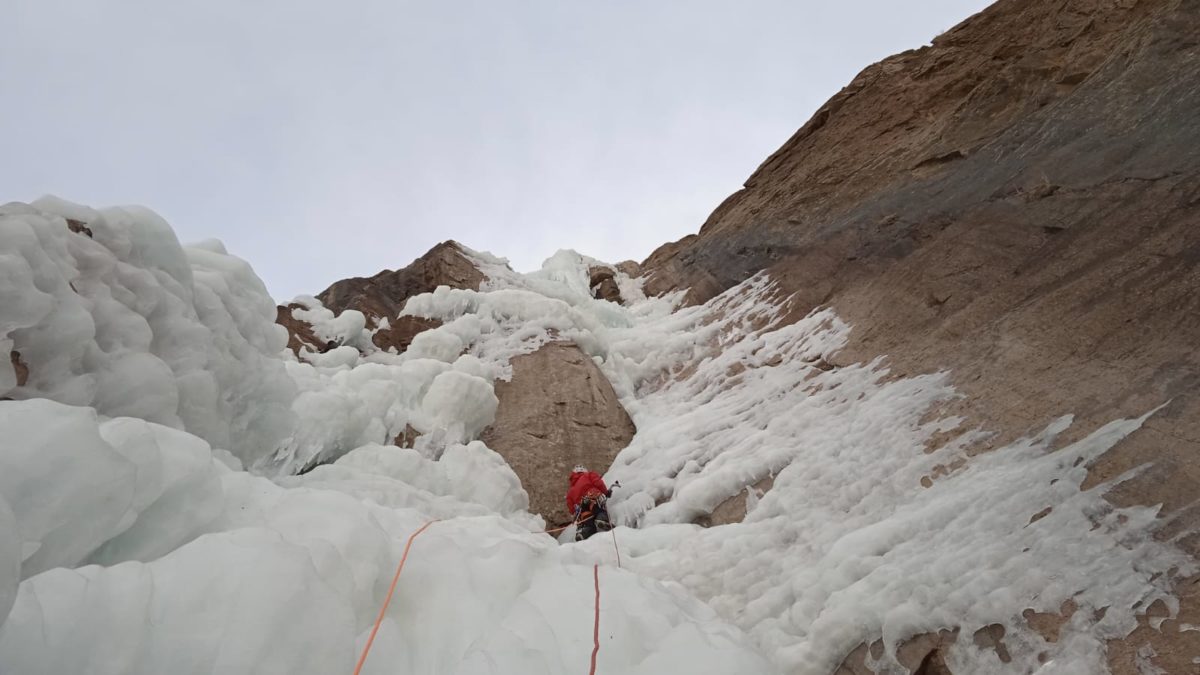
(321, 140)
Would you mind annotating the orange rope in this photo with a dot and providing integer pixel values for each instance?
(596, 625)
(560, 529)
(383, 610)
(404, 558)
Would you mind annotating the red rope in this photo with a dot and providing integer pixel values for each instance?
(596, 625)
(383, 610)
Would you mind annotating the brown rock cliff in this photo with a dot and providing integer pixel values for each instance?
(1018, 203)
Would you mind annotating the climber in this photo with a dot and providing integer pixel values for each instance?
(587, 499)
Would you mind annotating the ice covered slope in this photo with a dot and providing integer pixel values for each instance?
(868, 533)
(130, 542)
(882, 524)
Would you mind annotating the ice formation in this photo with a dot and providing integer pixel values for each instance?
(127, 321)
(133, 539)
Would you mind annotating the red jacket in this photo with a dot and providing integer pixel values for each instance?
(581, 485)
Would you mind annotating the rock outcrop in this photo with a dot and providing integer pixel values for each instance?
(558, 410)
(630, 267)
(603, 282)
(924, 655)
(300, 333)
(385, 293)
(20, 372)
(19, 367)
(1018, 204)
(383, 296)
(733, 510)
(400, 332)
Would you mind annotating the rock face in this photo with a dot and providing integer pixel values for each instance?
(385, 293)
(603, 282)
(401, 331)
(733, 510)
(1017, 203)
(19, 367)
(924, 655)
(383, 296)
(300, 333)
(558, 411)
(1022, 113)
(20, 370)
(630, 267)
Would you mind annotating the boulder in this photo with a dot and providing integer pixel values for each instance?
(558, 410)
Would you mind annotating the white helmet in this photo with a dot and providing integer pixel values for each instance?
(579, 468)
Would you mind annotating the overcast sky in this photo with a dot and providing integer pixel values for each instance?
(321, 140)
